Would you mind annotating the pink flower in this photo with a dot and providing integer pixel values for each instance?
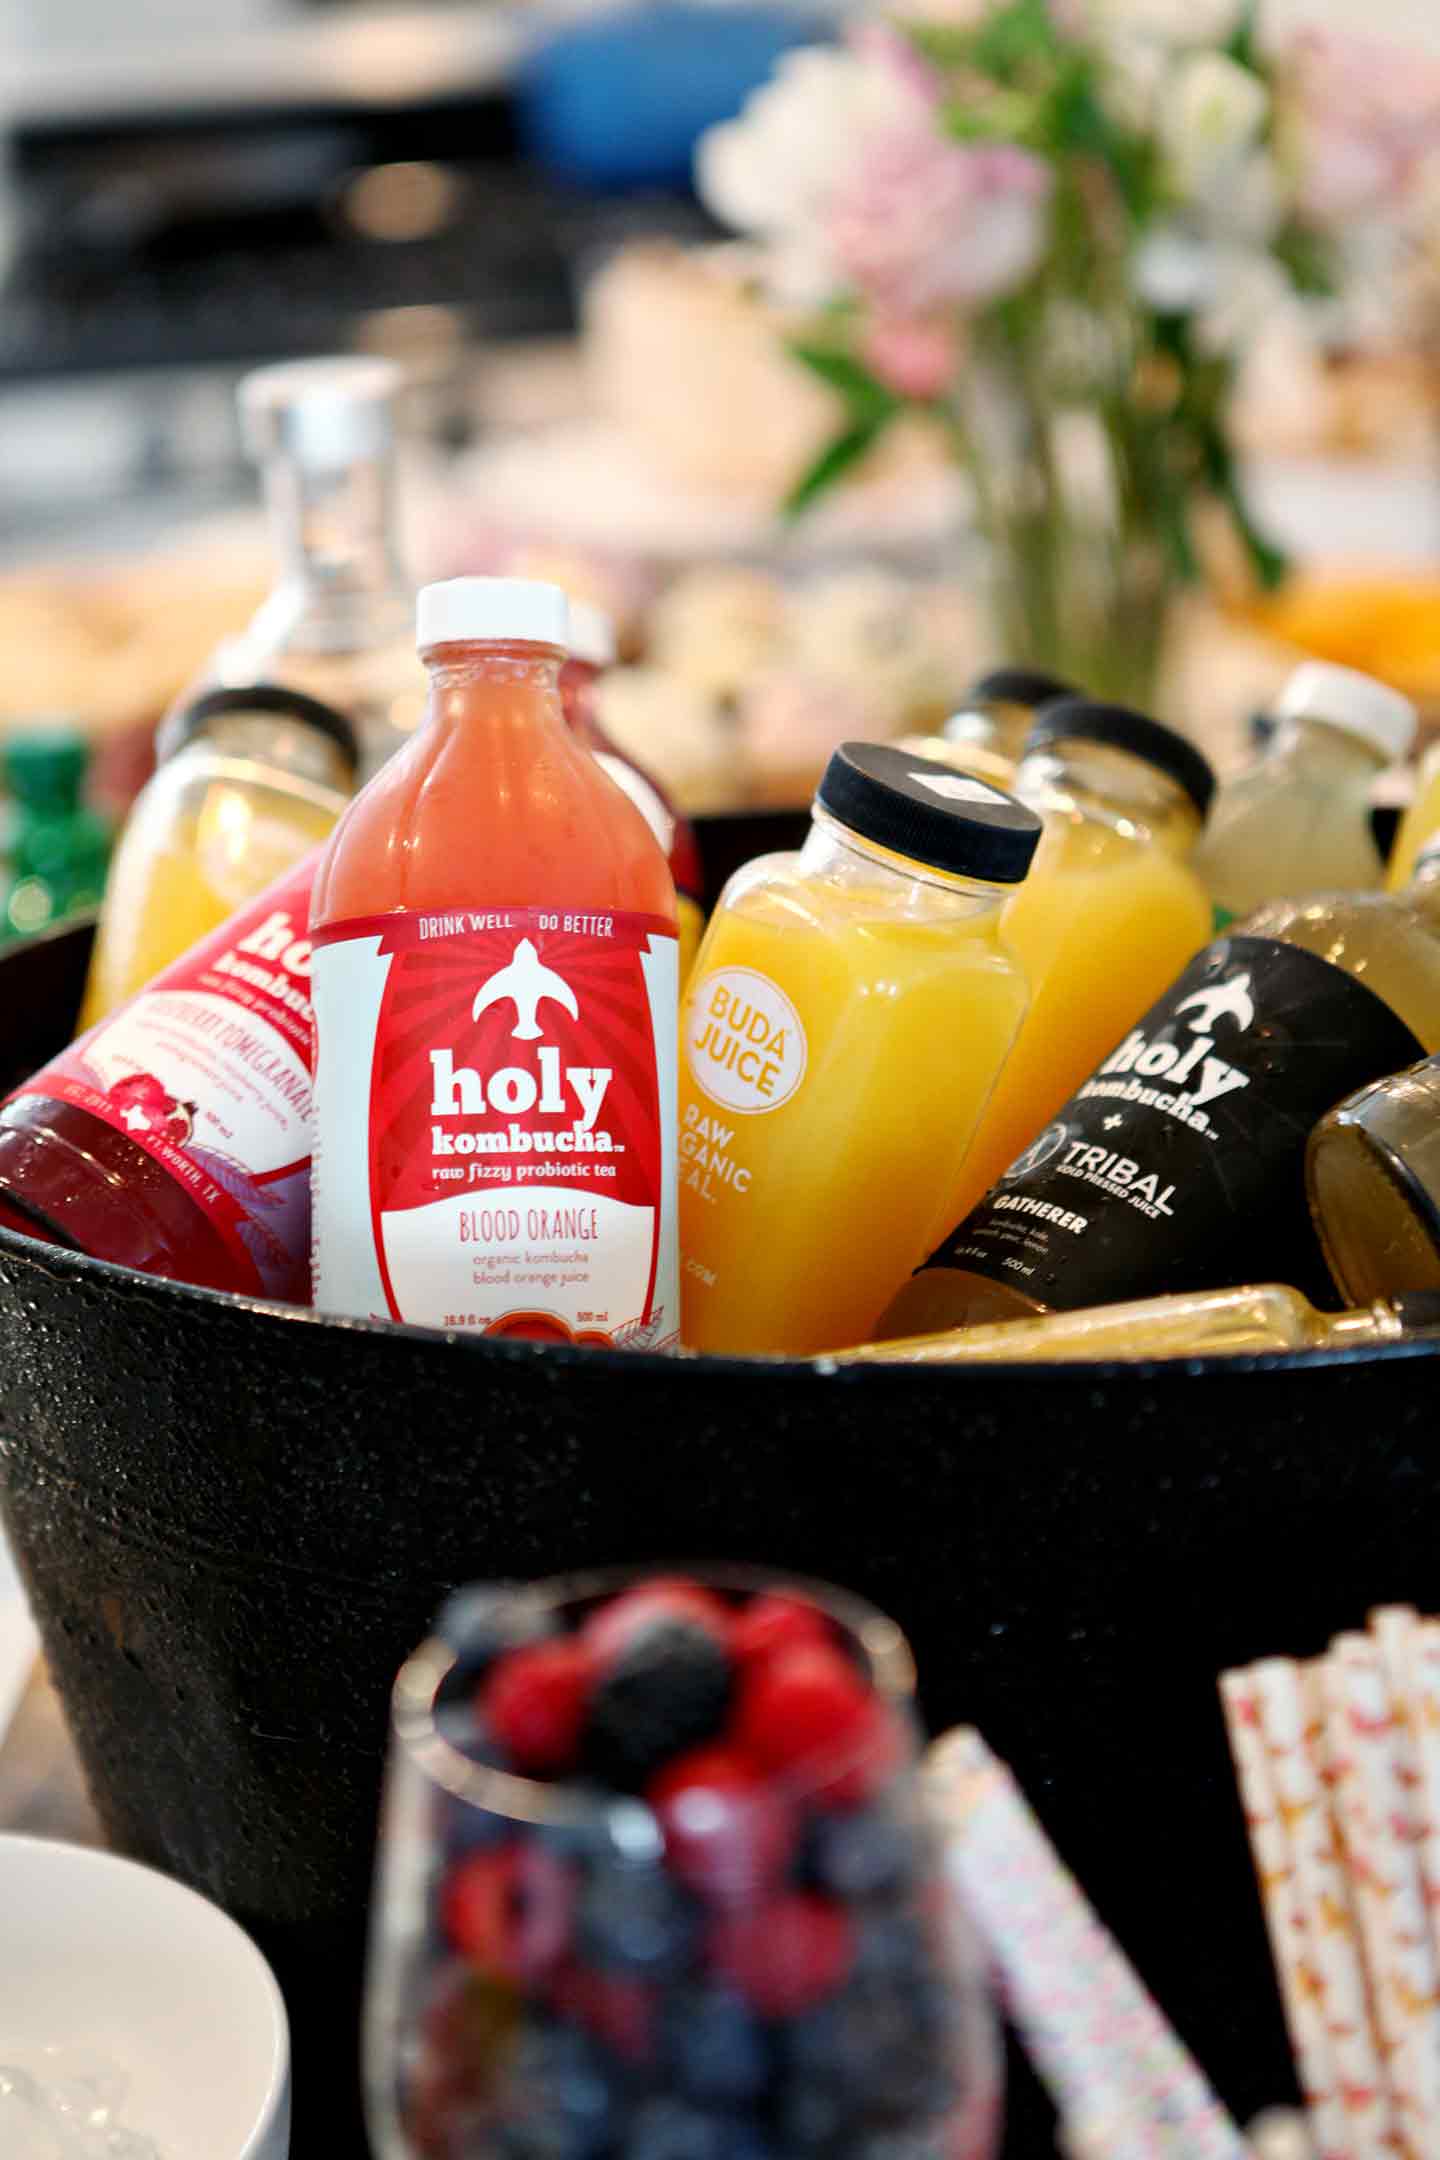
(915, 358)
(885, 45)
(1369, 113)
(919, 223)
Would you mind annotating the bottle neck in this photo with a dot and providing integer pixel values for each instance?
(507, 684)
(1110, 787)
(273, 747)
(1370, 1324)
(340, 583)
(841, 857)
(1331, 755)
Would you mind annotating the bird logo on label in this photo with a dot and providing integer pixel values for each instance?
(527, 982)
(1231, 997)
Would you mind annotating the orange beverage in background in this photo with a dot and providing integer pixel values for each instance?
(1109, 915)
(495, 989)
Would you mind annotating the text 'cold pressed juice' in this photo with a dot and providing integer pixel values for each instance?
(849, 1011)
(495, 1011)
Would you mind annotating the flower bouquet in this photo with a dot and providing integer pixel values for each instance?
(1054, 227)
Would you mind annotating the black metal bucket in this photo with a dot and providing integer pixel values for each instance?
(235, 1519)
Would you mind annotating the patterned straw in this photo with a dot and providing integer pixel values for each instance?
(1120, 2075)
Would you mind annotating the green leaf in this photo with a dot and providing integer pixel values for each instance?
(1014, 38)
(866, 397)
(1243, 44)
(834, 461)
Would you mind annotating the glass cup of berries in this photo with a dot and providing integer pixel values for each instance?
(656, 1883)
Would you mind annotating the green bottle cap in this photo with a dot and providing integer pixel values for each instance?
(46, 765)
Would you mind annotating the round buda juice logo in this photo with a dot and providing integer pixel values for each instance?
(744, 1040)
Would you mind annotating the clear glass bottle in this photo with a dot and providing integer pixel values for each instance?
(987, 731)
(340, 620)
(58, 846)
(848, 1013)
(1203, 1323)
(1297, 820)
(1372, 1170)
(248, 782)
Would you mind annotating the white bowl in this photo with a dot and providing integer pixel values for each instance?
(100, 1955)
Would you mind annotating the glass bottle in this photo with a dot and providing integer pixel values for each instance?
(1179, 1164)
(1420, 824)
(495, 1011)
(58, 846)
(340, 620)
(248, 782)
(986, 733)
(1110, 912)
(1205, 1323)
(849, 1011)
(592, 651)
(1373, 1174)
(1297, 820)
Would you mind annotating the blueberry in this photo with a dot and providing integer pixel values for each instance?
(667, 1691)
(877, 2053)
(557, 2101)
(637, 1919)
(718, 2052)
(669, 2129)
(859, 1855)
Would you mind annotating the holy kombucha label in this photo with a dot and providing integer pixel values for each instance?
(209, 1072)
(1180, 1164)
(744, 1041)
(496, 1123)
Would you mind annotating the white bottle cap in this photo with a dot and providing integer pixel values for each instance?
(465, 609)
(326, 413)
(592, 635)
(1355, 703)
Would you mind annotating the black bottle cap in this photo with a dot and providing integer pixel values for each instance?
(193, 719)
(1083, 720)
(929, 812)
(1019, 686)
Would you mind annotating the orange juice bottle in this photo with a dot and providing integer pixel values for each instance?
(848, 1013)
(1108, 916)
(1420, 824)
(495, 1007)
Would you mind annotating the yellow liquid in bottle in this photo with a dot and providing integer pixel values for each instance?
(162, 900)
(1102, 925)
(851, 1042)
(1421, 822)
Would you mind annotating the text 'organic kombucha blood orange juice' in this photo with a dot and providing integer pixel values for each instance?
(849, 1011)
(1109, 914)
(495, 980)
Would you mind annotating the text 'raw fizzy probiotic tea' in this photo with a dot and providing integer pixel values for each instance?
(496, 992)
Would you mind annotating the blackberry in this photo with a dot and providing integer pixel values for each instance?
(667, 1690)
(718, 2052)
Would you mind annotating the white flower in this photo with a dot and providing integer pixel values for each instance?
(1230, 289)
(775, 170)
(1210, 117)
(1166, 22)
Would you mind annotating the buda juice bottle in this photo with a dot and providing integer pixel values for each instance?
(496, 997)
(175, 1136)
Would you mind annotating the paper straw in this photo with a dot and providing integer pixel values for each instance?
(1425, 1684)
(1347, 1804)
(1301, 1987)
(1124, 2081)
(1407, 1977)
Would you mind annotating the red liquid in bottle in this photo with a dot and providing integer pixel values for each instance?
(174, 1137)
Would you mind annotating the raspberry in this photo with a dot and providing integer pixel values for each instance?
(772, 1623)
(664, 1692)
(785, 1956)
(534, 1700)
(508, 1912)
(612, 1627)
(807, 1702)
(726, 1832)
